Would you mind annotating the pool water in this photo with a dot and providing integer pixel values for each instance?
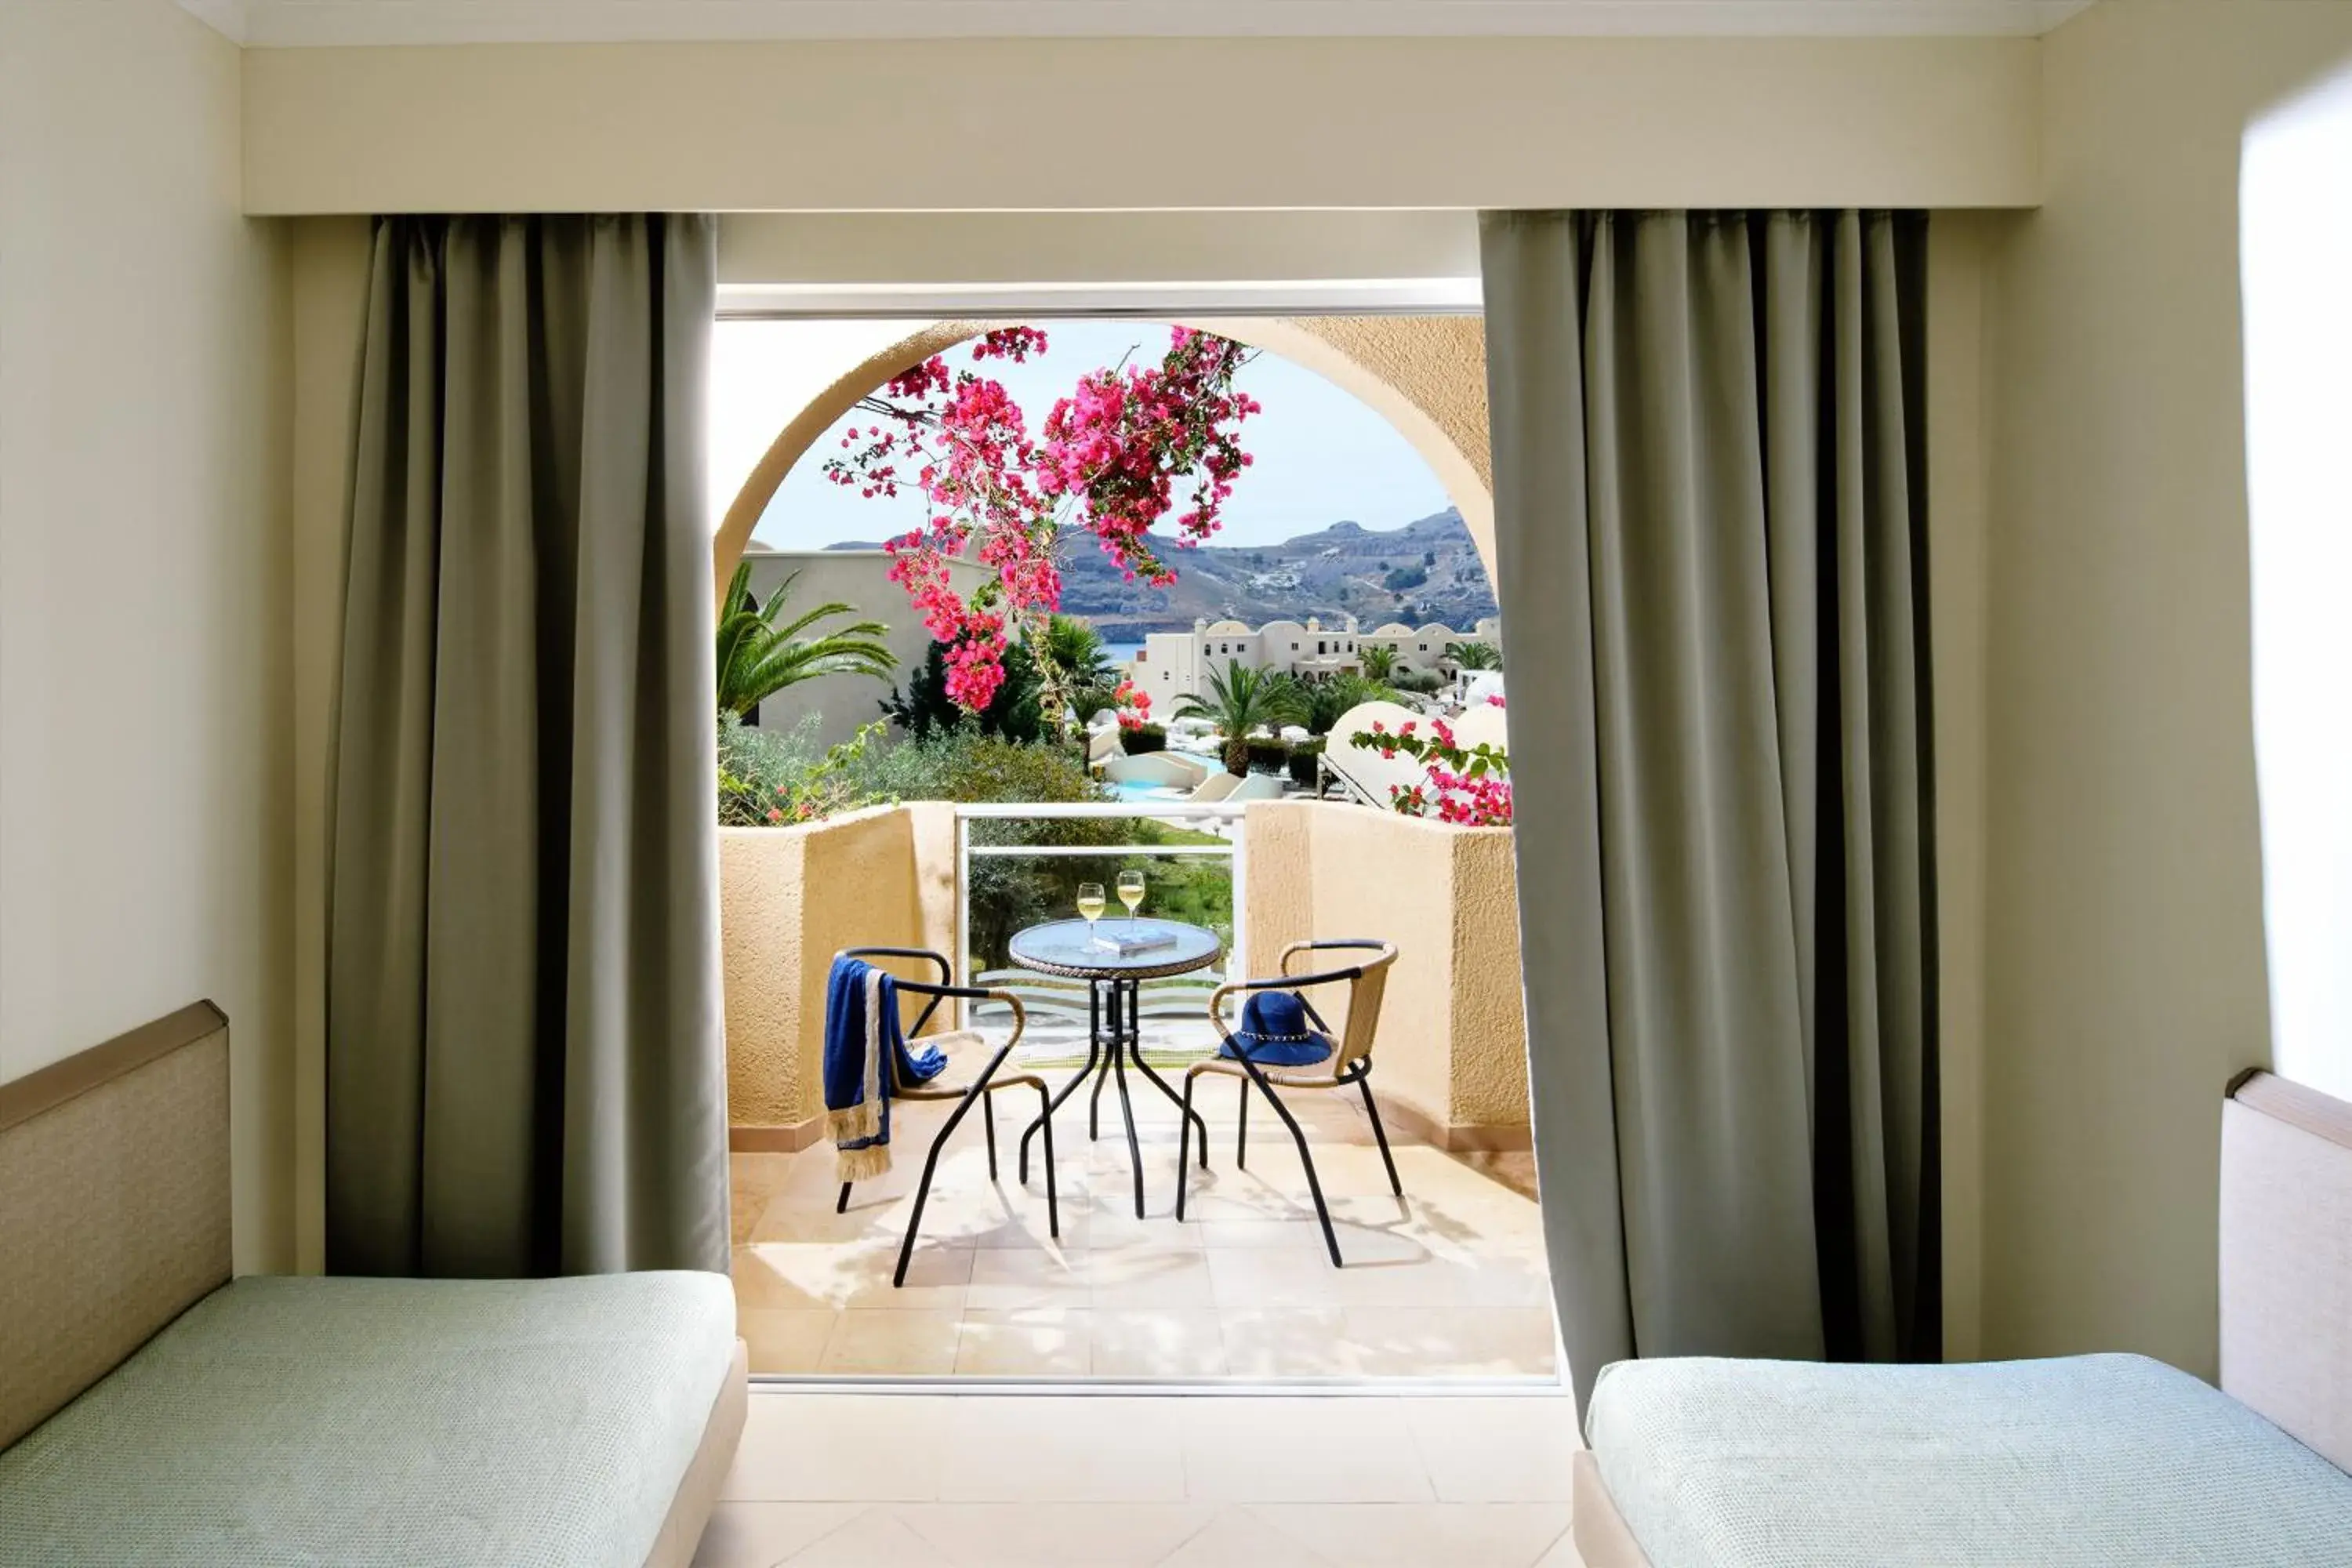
(1128, 790)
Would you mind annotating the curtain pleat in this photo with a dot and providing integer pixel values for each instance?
(1709, 495)
(525, 1064)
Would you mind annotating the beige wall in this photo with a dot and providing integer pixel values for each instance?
(2124, 953)
(1958, 245)
(826, 251)
(790, 898)
(145, 625)
(1361, 122)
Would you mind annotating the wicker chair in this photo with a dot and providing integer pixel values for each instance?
(1351, 1063)
(979, 1089)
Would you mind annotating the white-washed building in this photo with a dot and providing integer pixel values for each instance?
(1175, 663)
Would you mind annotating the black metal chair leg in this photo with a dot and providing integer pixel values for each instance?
(922, 1194)
(988, 1119)
(1299, 1136)
(979, 1091)
(841, 1204)
(1241, 1138)
(1185, 1145)
(1379, 1134)
(1053, 1204)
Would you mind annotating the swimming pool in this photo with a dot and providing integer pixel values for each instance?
(1128, 790)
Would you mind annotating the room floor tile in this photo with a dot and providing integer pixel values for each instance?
(1449, 1281)
(1175, 1480)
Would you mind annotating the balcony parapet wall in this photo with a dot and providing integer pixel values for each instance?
(1451, 1054)
(1450, 1060)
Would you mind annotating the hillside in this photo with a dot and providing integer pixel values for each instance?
(1426, 570)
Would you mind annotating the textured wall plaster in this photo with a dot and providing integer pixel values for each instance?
(790, 898)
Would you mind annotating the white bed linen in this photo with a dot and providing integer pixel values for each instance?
(2085, 1462)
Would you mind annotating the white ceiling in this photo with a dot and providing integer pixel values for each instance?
(287, 24)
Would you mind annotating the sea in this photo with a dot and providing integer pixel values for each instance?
(1122, 652)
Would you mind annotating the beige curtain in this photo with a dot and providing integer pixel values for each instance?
(525, 1062)
(1710, 523)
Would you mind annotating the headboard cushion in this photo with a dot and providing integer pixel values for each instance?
(2286, 1259)
(114, 1205)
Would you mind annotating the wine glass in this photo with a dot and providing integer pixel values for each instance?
(1090, 906)
(1130, 892)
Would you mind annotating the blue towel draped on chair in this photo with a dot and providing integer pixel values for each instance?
(861, 1023)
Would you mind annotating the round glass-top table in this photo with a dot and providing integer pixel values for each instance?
(1114, 982)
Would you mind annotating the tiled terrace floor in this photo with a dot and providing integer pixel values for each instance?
(1448, 1282)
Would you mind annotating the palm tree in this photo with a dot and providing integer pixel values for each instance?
(1078, 666)
(757, 658)
(1379, 663)
(1327, 699)
(1240, 700)
(1476, 655)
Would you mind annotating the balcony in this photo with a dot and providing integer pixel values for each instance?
(1447, 1282)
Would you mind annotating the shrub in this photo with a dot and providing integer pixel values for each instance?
(1421, 681)
(1269, 757)
(770, 778)
(1015, 712)
(964, 763)
(1404, 577)
(1144, 738)
(1327, 699)
(1303, 758)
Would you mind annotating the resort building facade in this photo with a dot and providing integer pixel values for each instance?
(1174, 663)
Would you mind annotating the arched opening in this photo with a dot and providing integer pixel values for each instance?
(1425, 375)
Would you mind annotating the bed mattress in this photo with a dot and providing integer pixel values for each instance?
(369, 1422)
(2098, 1461)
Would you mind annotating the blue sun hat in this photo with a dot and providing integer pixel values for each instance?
(1274, 1032)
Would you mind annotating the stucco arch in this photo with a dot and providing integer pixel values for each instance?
(1426, 375)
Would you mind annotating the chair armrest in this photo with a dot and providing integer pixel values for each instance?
(1327, 944)
(1277, 983)
(947, 970)
(1020, 1013)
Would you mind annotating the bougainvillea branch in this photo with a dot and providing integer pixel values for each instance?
(1468, 786)
(1115, 458)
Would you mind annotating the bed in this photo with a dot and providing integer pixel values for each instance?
(2106, 1460)
(155, 1411)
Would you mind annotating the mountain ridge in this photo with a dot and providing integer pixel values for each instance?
(1428, 570)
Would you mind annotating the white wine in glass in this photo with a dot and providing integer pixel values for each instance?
(1130, 892)
(1090, 905)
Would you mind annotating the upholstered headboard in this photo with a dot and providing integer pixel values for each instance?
(114, 1205)
(2286, 1259)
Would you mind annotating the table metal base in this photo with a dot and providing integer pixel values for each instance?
(1114, 1042)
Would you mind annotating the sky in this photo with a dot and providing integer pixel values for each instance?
(1319, 455)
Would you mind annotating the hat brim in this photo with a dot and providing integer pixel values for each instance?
(1282, 1051)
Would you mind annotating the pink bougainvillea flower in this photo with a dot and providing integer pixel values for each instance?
(1110, 458)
